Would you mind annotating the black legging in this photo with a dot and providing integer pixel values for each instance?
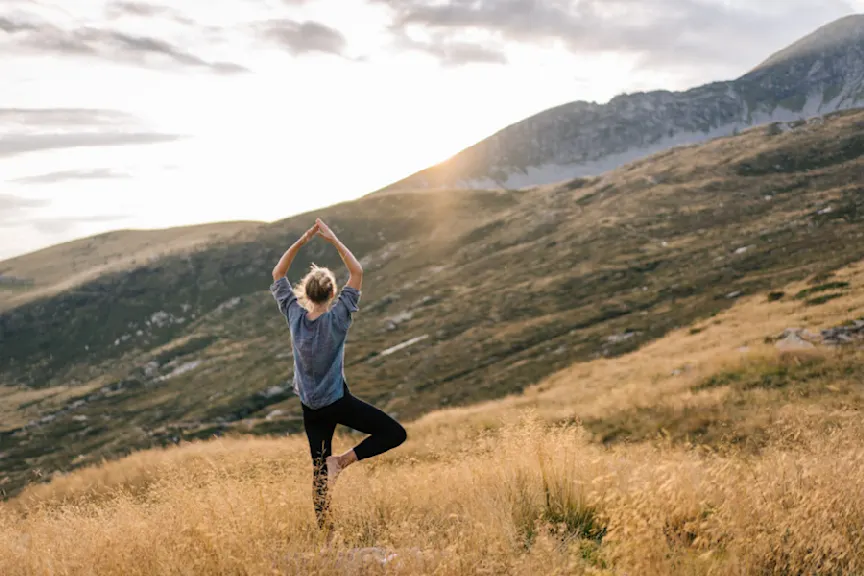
(385, 433)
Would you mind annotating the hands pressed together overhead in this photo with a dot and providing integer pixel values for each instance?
(319, 229)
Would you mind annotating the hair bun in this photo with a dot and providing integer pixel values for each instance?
(318, 287)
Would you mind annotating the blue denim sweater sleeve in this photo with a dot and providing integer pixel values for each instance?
(346, 305)
(284, 296)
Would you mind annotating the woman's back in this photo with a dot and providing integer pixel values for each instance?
(318, 344)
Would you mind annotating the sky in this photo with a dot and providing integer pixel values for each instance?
(149, 114)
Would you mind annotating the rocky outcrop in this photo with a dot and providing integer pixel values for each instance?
(850, 333)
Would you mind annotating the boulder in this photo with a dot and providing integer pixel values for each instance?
(792, 339)
(847, 334)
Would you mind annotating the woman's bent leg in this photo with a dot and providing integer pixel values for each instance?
(385, 433)
(319, 432)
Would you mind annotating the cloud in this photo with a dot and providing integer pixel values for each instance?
(20, 217)
(24, 130)
(12, 207)
(457, 53)
(22, 143)
(41, 117)
(302, 37)
(228, 68)
(452, 52)
(660, 32)
(19, 212)
(116, 9)
(68, 175)
(108, 44)
(119, 9)
(141, 10)
(10, 26)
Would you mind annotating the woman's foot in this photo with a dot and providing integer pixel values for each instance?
(333, 469)
(335, 465)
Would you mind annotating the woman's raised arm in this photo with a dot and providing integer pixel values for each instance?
(284, 264)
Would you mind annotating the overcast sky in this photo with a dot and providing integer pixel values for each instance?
(152, 114)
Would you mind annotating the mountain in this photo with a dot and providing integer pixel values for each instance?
(820, 73)
(469, 295)
(65, 266)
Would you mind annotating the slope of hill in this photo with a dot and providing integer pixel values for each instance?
(64, 266)
(745, 464)
(821, 73)
(469, 295)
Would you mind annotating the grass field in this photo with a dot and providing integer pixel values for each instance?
(709, 451)
(525, 499)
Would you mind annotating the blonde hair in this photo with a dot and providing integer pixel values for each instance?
(317, 287)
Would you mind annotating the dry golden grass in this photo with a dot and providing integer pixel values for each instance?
(526, 499)
(499, 488)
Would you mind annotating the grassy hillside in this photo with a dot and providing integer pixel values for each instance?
(739, 457)
(496, 290)
(65, 266)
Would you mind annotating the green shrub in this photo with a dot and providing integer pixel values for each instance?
(775, 296)
(822, 299)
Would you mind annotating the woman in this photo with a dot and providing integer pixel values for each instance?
(319, 328)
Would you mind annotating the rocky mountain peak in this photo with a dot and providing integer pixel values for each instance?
(821, 73)
(825, 41)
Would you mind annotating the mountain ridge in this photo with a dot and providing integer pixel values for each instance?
(53, 269)
(581, 138)
(844, 30)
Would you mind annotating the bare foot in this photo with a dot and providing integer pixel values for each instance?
(333, 470)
